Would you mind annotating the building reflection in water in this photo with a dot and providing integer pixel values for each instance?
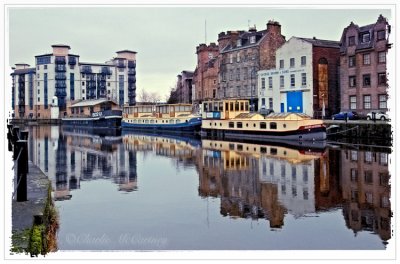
(261, 181)
(254, 181)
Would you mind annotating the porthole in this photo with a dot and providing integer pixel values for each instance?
(284, 125)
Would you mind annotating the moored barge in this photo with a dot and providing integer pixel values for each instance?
(98, 113)
(231, 119)
(165, 117)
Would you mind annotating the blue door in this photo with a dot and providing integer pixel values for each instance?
(295, 102)
(282, 107)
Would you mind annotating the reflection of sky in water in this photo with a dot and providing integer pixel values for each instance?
(172, 197)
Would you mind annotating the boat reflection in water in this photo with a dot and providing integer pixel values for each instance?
(309, 193)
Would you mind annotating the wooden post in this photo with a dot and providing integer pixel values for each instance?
(22, 170)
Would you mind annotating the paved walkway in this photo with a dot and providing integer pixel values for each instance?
(23, 212)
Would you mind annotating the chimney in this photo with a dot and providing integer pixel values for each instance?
(274, 27)
(253, 29)
(234, 38)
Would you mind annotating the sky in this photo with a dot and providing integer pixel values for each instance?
(165, 38)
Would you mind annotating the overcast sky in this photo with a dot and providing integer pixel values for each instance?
(164, 37)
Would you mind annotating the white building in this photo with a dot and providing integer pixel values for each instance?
(61, 74)
(304, 78)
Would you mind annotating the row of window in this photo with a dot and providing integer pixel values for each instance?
(263, 125)
(246, 57)
(381, 58)
(282, 81)
(246, 72)
(382, 101)
(368, 177)
(292, 64)
(365, 37)
(369, 157)
(366, 80)
(151, 121)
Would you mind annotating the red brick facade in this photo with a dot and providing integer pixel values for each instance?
(363, 67)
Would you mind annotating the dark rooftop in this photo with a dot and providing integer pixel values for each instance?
(322, 42)
(60, 46)
(129, 51)
(24, 71)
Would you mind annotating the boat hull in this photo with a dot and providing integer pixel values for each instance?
(194, 125)
(114, 122)
(312, 134)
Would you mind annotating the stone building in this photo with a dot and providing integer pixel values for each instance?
(184, 87)
(62, 75)
(206, 74)
(363, 67)
(242, 55)
(305, 79)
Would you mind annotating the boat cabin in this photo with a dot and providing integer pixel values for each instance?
(224, 109)
(88, 108)
(159, 111)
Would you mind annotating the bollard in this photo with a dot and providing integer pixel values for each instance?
(22, 170)
(15, 134)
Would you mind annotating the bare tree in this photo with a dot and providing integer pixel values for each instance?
(144, 96)
(154, 97)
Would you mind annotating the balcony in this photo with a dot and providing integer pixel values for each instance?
(61, 85)
(60, 93)
(131, 72)
(60, 77)
(86, 70)
(120, 64)
(132, 64)
(106, 70)
(71, 60)
(60, 60)
(60, 68)
(131, 79)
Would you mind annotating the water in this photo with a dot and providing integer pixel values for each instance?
(147, 192)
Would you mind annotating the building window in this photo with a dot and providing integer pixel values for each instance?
(353, 175)
(281, 81)
(38, 83)
(271, 103)
(238, 90)
(303, 79)
(367, 101)
(381, 34)
(45, 67)
(38, 76)
(383, 159)
(38, 99)
(367, 80)
(382, 57)
(353, 155)
(239, 43)
(352, 61)
(366, 59)
(368, 157)
(238, 74)
(245, 73)
(270, 82)
(231, 58)
(83, 83)
(353, 102)
(303, 60)
(382, 78)
(291, 62)
(252, 39)
(365, 37)
(38, 67)
(238, 57)
(281, 64)
(382, 98)
(231, 75)
(352, 41)
(352, 81)
(262, 83)
(292, 81)
(83, 91)
(368, 177)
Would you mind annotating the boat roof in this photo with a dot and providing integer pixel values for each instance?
(92, 102)
(287, 116)
(246, 115)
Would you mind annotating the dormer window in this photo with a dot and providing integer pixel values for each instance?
(239, 43)
(352, 41)
(381, 34)
(252, 39)
(365, 37)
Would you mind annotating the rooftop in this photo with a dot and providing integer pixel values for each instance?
(91, 102)
(322, 42)
(128, 51)
(60, 46)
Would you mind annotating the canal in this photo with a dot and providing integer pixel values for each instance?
(157, 192)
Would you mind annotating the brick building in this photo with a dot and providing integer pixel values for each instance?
(363, 66)
(206, 74)
(184, 87)
(242, 55)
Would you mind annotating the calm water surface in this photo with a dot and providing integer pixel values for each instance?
(148, 192)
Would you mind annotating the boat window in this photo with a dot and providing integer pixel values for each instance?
(226, 107)
(273, 151)
(221, 105)
(231, 146)
(263, 125)
(236, 106)
(284, 125)
(263, 149)
(246, 106)
(241, 106)
(231, 124)
(231, 106)
(239, 125)
(178, 121)
(272, 125)
(240, 147)
(215, 107)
